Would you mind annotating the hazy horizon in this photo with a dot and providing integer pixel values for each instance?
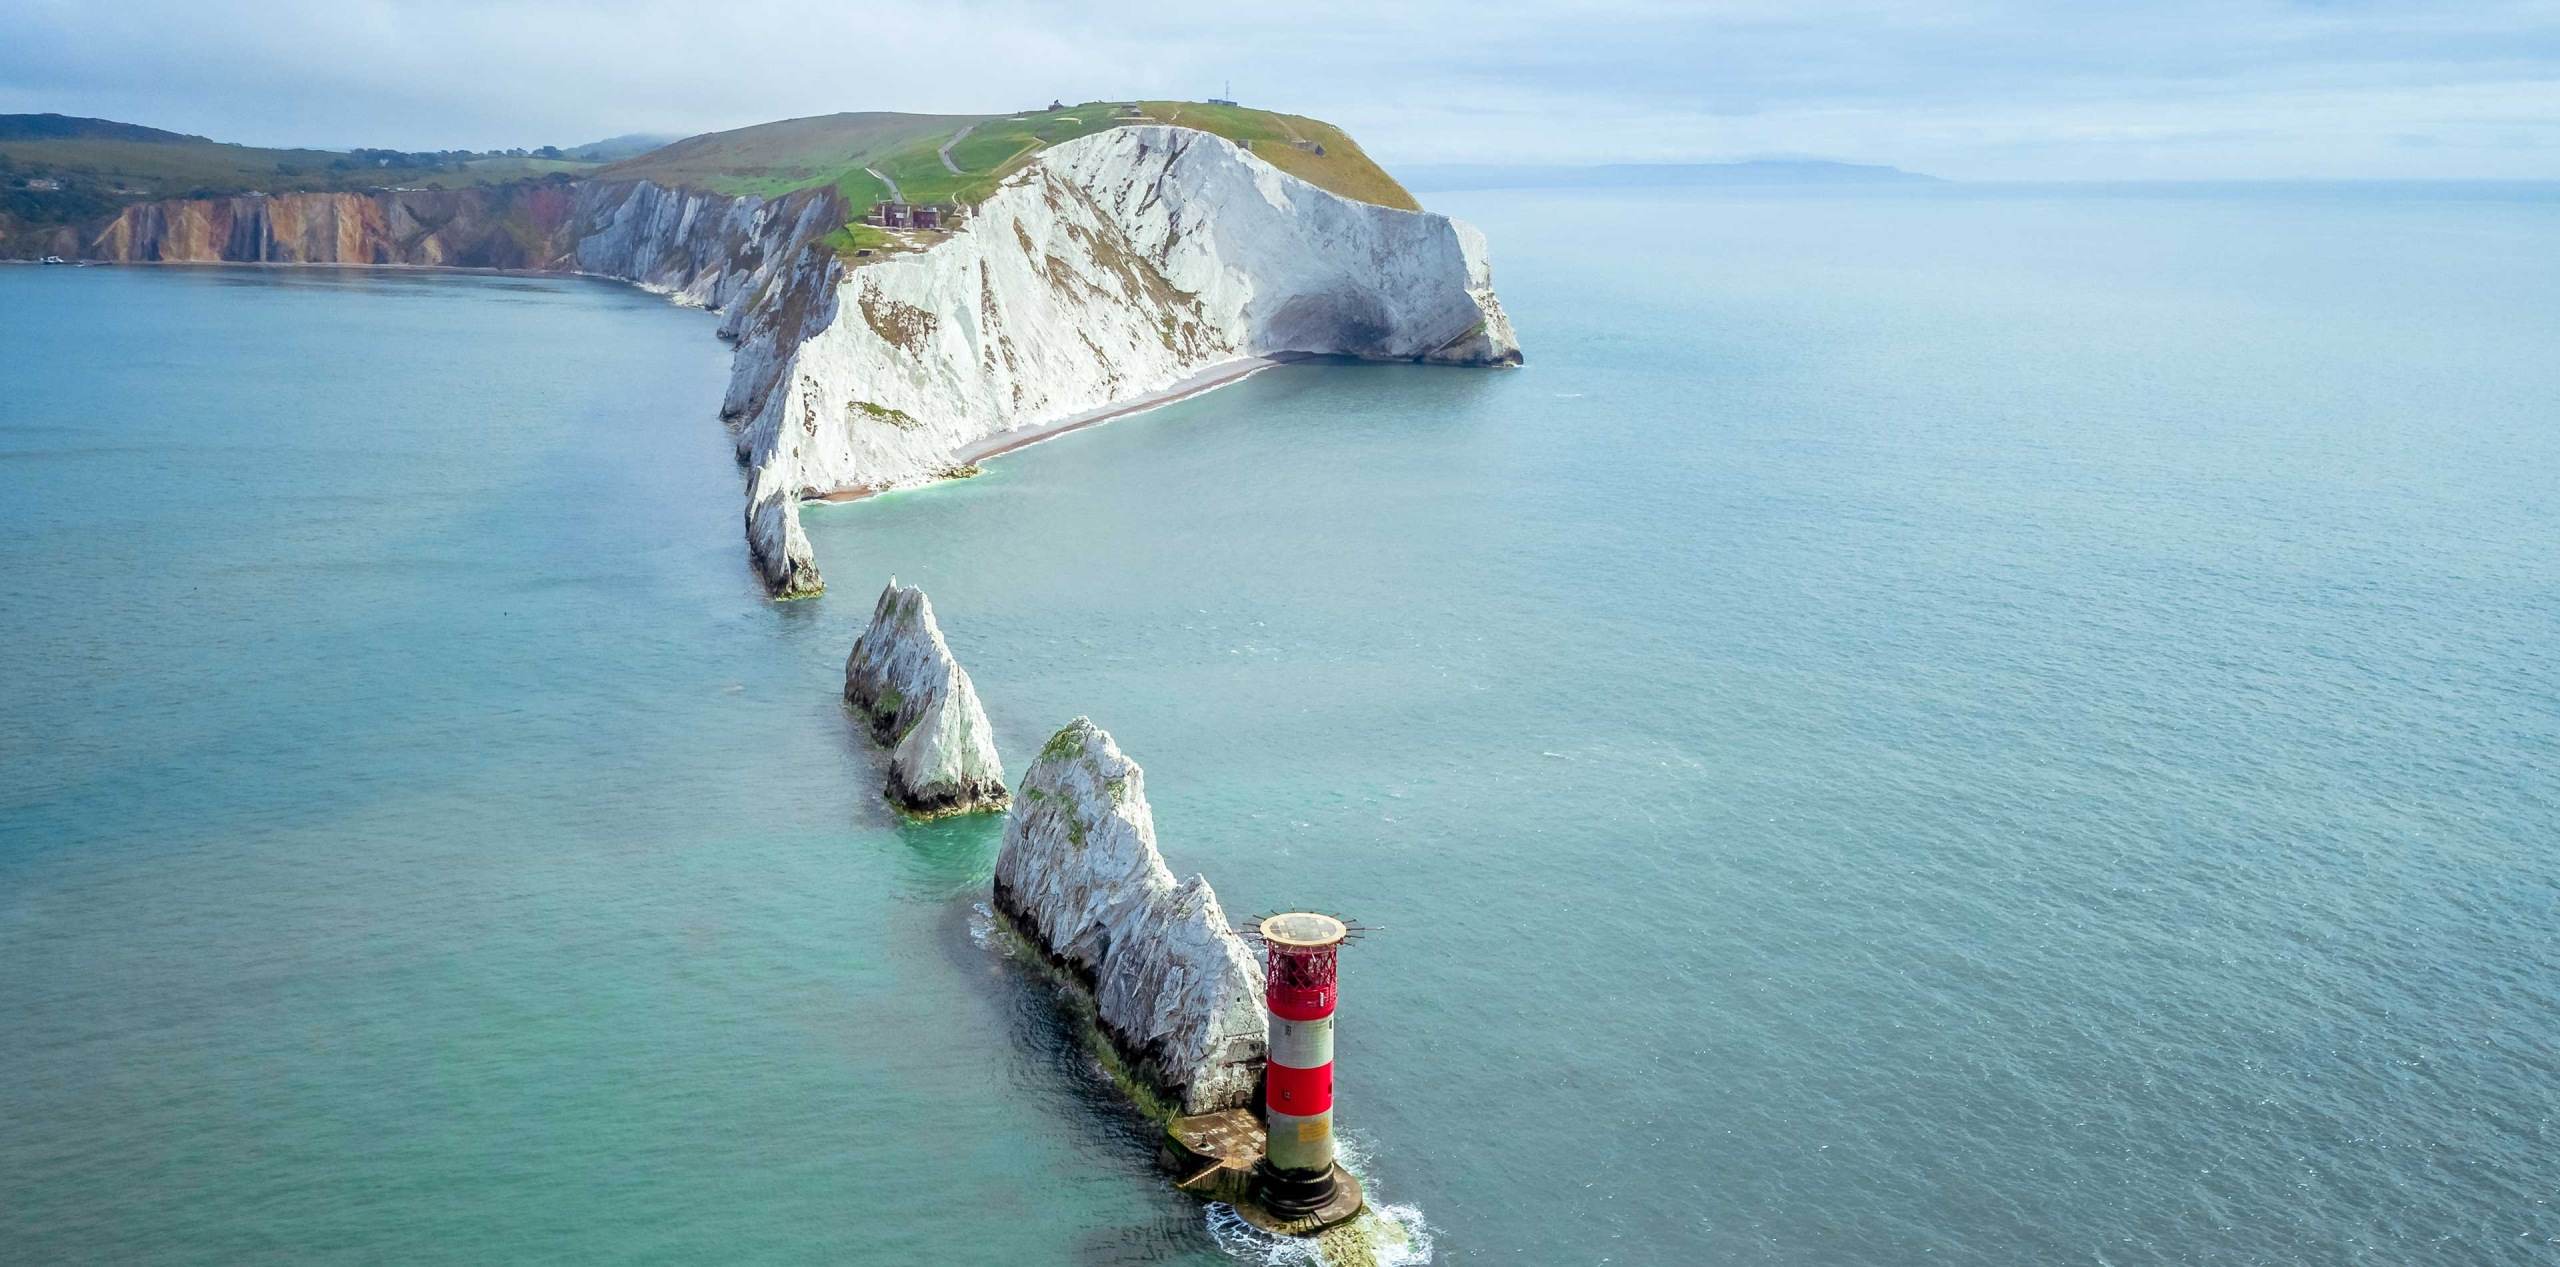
(1964, 89)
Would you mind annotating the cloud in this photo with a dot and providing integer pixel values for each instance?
(1967, 88)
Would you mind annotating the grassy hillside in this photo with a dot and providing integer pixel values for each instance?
(1344, 168)
(845, 150)
(995, 148)
(56, 127)
(60, 171)
(772, 159)
(614, 149)
(124, 159)
(60, 174)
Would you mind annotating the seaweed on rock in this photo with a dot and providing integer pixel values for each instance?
(921, 705)
(1175, 990)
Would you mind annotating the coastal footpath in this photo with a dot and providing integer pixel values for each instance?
(1110, 270)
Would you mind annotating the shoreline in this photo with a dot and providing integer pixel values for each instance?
(345, 264)
(1003, 442)
(1215, 376)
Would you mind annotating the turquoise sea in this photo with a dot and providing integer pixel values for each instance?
(1978, 726)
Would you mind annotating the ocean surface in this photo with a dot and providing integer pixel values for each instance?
(1968, 726)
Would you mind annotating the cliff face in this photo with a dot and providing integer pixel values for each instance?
(705, 250)
(758, 261)
(920, 702)
(506, 226)
(698, 248)
(1178, 993)
(1113, 266)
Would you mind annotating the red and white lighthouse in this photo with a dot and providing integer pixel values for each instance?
(1297, 1177)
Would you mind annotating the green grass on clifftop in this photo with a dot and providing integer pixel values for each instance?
(772, 159)
(57, 170)
(124, 159)
(844, 150)
(1288, 142)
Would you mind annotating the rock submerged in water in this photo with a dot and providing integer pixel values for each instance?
(1177, 991)
(921, 705)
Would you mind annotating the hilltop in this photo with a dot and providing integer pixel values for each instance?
(1449, 177)
(127, 159)
(1109, 257)
(64, 179)
(961, 158)
(614, 149)
(64, 127)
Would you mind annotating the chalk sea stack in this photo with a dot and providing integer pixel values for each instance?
(921, 705)
(1177, 992)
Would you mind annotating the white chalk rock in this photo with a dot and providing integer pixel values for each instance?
(763, 264)
(1113, 266)
(1178, 992)
(920, 702)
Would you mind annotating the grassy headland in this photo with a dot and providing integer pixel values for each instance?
(772, 159)
(1289, 142)
(855, 152)
(123, 158)
(863, 156)
(56, 170)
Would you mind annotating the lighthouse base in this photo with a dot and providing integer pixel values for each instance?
(1275, 1207)
(1292, 1194)
(1215, 1156)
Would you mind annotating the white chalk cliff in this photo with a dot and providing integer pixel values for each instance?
(732, 255)
(1109, 268)
(921, 704)
(1178, 992)
(1112, 266)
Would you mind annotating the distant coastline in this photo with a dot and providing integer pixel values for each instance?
(853, 326)
(1450, 177)
(1814, 177)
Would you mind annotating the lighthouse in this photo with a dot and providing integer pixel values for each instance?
(1297, 1177)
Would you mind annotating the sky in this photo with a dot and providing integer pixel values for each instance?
(1965, 89)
